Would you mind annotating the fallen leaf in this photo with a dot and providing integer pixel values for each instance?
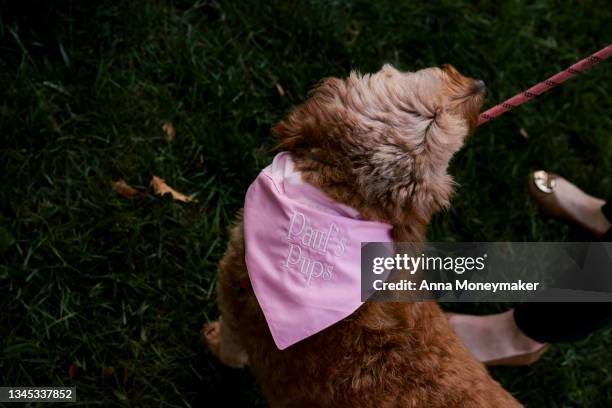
(123, 188)
(524, 133)
(169, 129)
(161, 188)
(280, 89)
(72, 370)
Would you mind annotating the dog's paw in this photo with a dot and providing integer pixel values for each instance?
(211, 336)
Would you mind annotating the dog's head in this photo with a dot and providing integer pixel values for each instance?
(385, 139)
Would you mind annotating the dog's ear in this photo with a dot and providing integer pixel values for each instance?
(309, 124)
(440, 141)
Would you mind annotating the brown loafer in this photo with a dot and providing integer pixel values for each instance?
(518, 360)
(512, 360)
(541, 185)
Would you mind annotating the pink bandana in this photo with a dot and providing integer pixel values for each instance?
(303, 252)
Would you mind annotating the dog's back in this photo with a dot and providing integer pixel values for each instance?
(384, 355)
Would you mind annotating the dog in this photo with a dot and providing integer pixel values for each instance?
(378, 144)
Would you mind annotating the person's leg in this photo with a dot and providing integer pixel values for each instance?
(561, 322)
(528, 328)
(606, 209)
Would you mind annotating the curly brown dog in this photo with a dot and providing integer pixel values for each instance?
(380, 144)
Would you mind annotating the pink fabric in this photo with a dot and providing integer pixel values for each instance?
(303, 252)
(546, 85)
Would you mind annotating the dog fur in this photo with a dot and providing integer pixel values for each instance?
(380, 143)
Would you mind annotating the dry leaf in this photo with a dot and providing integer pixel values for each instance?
(161, 188)
(72, 370)
(123, 188)
(524, 133)
(169, 129)
(280, 89)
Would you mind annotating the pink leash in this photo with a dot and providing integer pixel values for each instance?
(546, 85)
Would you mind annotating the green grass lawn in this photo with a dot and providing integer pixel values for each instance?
(108, 294)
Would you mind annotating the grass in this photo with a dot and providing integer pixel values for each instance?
(108, 294)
